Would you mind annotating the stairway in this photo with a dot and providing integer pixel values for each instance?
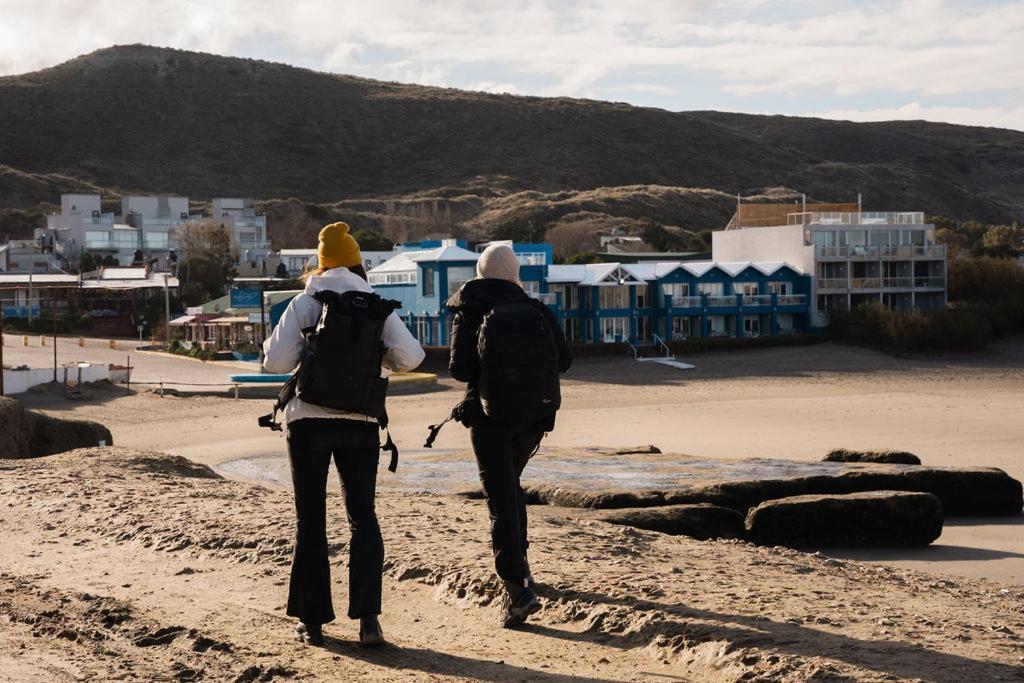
(658, 345)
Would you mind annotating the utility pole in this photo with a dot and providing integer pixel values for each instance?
(167, 313)
(54, 346)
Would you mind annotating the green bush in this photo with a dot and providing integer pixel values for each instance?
(963, 328)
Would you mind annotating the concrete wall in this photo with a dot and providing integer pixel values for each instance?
(782, 243)
(20, 381)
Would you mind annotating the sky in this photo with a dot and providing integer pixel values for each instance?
(938, 60)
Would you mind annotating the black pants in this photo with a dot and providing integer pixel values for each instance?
(356, 450)
(502, 451)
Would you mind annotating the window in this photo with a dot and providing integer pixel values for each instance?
(155, 240)
(676, 289)
(710, 288)
(751, 325)
(458, 276)
(572, 329)
(97, 239)
(531, 287)
(533, 258)
(614, 329)
(422, 329)
(428, 280)
(781, 288)
(681, 327)
(393, 278)
(824, 238)
(615, 296)
(879, 238)
(643, 328)
(747, 288)
(643, 298)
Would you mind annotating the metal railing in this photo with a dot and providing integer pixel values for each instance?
(865, 283)
(900, 282)
(791, 299)
(687, 302)
(714, 300)
(856, 218)
(833, 283)
(548, 299)
(872, 252)
(930, 282)
(757, 299)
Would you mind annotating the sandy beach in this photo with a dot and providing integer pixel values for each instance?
(128, 563)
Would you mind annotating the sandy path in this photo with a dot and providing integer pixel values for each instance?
(139, 567)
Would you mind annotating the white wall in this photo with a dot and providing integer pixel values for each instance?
(83, 204)
(780, 243)
(20, 381)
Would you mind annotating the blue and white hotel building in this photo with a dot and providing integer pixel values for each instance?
(607, 302)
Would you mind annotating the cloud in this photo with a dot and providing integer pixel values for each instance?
(1000, 117)
(745, 49)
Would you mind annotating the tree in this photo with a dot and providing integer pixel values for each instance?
(87, 262)
(208, 257)
(1004, 240)
(370, 240)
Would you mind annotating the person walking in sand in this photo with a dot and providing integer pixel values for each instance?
(509, 350)
(347, 340)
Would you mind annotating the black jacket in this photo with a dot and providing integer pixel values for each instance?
(469, 305)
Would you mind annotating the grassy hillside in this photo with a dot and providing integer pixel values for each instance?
(405, 158)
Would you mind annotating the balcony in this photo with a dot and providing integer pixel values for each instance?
(930, 282)
(548, 299)
(865, 252)
(686, 302)
(931, 251)
(100, 244)
(857, 218)
(720, 301)
(754, 300)
(904, 282)
(865, 283)
(837, 283)
(791, 300)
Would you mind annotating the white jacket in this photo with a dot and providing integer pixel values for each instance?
(283, 348)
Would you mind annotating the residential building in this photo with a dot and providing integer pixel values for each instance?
(27, 256)
(853, 256)
(609, 302)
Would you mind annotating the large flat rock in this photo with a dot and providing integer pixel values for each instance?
(974, 492)
(28, 434)
(696, 521)
(887, 457)
(870, 519)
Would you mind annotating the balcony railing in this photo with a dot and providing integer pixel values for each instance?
(931, 251)
(905, 282)
(548, 299)
(686, 302)
(865, 283)
(930, 282)
(721, 300)
(791, 299)
(833, 283)
(860, 251)
(857, 218)
(757, 299)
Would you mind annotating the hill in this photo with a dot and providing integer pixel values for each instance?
(138, 118)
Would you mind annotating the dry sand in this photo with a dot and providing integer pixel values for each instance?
(121, 565)
(960, 409)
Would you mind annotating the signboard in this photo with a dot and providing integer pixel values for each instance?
(20, 311)
(194, 310)
(255, 318)
(245, 298)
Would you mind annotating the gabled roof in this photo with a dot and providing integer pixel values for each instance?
(594, 273)
(407, 260)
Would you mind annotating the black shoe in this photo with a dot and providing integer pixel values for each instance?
(520, 602)
(311, 634)
(370, 633)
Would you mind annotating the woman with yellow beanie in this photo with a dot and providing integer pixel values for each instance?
(317, 434)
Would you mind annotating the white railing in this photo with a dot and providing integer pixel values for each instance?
(757, 299)
(721, 300)
(686, 302)
(856, 218)
(833, 283)
(791, 299)
(548, 299)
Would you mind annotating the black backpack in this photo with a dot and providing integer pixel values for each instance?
(341, 363)
(342, 360)
(518, 363)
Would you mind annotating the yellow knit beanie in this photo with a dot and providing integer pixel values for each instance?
(338, 248)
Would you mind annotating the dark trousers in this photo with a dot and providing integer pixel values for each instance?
(502, 451)
(355, 447)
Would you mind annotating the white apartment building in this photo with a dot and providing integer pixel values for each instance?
(854, 256)
(147, 223)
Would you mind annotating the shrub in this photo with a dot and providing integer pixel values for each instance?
(961, 329)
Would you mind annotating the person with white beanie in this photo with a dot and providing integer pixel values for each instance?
(510, 350)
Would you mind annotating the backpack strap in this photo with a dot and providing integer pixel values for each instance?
(286, 394)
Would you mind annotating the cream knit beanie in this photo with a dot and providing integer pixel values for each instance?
(498, 261)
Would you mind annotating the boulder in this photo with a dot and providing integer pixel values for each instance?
(14, 429)
(697, 521)
(49, 435)
(880, 456)
(560, 496)
(869, 519)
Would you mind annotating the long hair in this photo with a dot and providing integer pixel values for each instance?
(320, 270)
